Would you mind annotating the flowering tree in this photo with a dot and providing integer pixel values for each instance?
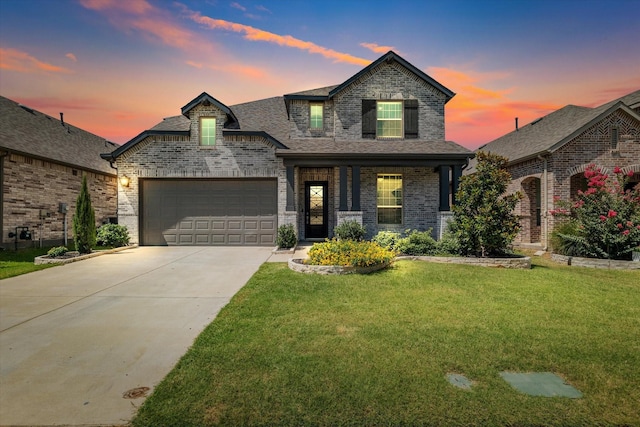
(603, 221)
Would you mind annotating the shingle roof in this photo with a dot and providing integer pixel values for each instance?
(550, 132)
(30, 132)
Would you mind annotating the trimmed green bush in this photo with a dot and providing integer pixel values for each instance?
(447, 245)
(350, 230)
(387, 239)
(417, 243)
(287, 237)
(349, 253)
(57, 251)
(113, 235)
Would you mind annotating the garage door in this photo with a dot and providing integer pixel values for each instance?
(209, 212)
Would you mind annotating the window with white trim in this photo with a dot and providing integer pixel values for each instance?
(389, 198)
(208, 131)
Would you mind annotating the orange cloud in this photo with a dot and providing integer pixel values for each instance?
(22, 62)
(255, 34)
(376, 48)
(72, 57)
(194, 64)
(138, 7)
(238, 6)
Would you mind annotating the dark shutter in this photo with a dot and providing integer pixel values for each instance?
(369, 118)
(411, 118)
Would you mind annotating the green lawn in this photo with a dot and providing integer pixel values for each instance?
(294, 349)
(14, 263)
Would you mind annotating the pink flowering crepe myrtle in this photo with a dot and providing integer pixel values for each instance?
(605, 217)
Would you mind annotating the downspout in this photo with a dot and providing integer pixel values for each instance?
(544, 206)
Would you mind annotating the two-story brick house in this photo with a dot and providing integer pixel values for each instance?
(372, 149)
(548, 157)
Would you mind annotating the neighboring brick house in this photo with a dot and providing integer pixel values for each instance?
(547, 157)
(371, 149)
(42, 161)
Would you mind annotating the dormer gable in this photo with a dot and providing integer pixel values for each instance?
(205, 100)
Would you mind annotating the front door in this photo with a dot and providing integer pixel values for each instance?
(316, 210)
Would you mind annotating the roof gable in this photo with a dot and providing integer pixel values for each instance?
(29, 132)
(551, 132)
(389, 57)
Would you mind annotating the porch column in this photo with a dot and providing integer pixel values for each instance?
(355, 188)
(343, 188)
(444, 187)
(455, 181)
(290, 183)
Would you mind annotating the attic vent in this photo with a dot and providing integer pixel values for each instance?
(25, 108)
(536, 120)
(615, 135)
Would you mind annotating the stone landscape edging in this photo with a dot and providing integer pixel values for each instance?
(45, 259)
(523, 262)
(610, 264)
(297, 264)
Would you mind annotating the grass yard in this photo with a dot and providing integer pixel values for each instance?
(14, 263)
(294, 349)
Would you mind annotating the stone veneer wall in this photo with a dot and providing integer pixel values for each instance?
(32, 184)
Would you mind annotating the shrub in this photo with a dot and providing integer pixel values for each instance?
(603, 221)
(349, 253)
(448, 245)
(287, 237)
(387, 239)
(84, 221)
(57, 251)
(483, 220)
(350, 230)
(113, 235)
(417, 243)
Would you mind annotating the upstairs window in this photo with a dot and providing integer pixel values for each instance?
(208, 131)
(315, 115)
(390, 119)
(389, 199)
(615, 136)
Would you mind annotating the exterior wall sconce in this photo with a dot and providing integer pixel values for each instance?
(124, 181)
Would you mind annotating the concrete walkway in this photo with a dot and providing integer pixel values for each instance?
(75, 338)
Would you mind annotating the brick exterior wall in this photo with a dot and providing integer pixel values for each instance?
(420, 199)
(31, 185)
(385, 82)
(184, 157)
(567, 164)
(389, 82)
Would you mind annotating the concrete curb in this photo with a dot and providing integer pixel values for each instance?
(297, 264)
(46, 260)
(610, 264)
(515, 263)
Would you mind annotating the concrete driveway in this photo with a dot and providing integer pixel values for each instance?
(75, 338)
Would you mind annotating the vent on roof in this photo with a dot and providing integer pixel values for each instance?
(27, 109)
(536, 120)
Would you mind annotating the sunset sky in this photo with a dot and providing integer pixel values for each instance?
(117, 67)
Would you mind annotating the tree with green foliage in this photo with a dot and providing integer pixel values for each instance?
(483, 222)
(84, 221)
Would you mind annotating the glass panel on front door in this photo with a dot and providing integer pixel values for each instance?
(316, 210)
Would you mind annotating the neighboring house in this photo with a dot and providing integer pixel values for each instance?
(548, 157)
(42, 161)
(371, 149)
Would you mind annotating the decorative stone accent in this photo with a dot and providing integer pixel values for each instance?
(610, 264)
(519, 263)
(299, 266)
(45, 259)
